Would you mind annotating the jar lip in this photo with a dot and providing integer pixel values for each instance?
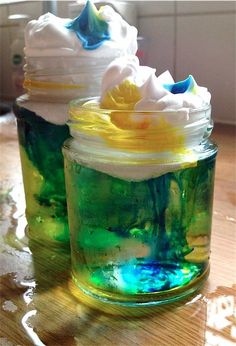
(79, 104)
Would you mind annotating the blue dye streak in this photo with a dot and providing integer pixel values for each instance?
(181, 87)
(89, 28)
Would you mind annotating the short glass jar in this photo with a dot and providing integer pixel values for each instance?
(139, 193)
(51, 82)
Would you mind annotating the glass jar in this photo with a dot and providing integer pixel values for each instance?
(139, 193)
(41, 120)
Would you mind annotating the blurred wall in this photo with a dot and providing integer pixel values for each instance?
(8, 32)
(196, 38)
(185, 37)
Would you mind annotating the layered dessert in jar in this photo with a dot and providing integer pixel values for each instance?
(139, 177)
(64, 59)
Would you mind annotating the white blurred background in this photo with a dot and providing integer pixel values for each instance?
(185, 37)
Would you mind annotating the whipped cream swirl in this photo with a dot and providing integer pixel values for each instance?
(53, 36)
(156, 93)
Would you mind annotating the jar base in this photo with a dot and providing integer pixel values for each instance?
(145, 299)
(48, 236)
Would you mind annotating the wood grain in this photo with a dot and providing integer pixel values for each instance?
(41, 306)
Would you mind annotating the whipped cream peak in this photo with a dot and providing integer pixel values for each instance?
(155, 93)
(125, 68)
(48, 36)
(90, 27)
(154, 85)
(187, 85)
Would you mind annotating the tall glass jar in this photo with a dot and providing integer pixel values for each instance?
(139, 193)
(41, 118)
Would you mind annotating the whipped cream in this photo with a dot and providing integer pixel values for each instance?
(55, 113)
(53, 36)
(126, 166)
(143, 126)
(65, 59)
(156, 93)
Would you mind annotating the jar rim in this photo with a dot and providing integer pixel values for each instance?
(139, 131)
(80, 104)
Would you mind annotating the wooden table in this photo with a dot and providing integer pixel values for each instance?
(40, 305)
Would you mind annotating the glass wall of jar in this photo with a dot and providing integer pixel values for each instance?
(139, 193)
(51, 82)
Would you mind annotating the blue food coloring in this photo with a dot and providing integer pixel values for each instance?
(89, 27)
(187, 85)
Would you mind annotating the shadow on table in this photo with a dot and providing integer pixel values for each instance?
(51, 266)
